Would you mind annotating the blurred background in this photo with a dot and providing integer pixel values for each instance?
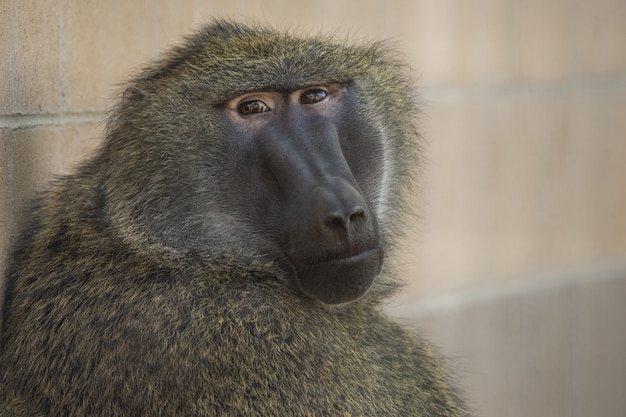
(515, 263)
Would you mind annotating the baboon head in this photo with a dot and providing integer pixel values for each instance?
(248, 143)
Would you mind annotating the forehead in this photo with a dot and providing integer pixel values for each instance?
(280, 63)
(227, 63)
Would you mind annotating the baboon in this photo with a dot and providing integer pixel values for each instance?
(226, 251)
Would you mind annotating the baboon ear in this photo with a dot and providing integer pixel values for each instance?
(132, 95)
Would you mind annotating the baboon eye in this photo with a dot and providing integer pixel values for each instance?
(312, 96)
(253, 107)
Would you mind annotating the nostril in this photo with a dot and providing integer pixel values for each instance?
(338, 221)
(358, 213)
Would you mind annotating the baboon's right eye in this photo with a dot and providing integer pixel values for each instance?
(253, 107)
(313, 96)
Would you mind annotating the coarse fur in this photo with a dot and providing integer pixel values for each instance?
(146, 287)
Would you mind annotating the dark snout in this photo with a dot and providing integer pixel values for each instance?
(332, 237)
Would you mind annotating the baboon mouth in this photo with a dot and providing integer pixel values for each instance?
(351, 258)
(338, 259)
(339, 280)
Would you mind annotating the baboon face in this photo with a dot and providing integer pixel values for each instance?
(276, 148)
(299, 162)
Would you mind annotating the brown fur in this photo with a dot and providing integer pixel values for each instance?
(125, 299)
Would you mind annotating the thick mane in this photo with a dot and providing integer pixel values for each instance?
(226, 251)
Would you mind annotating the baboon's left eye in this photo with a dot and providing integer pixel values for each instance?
(313, 96)
(247, 108)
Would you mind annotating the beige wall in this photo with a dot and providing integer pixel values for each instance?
(516, 264)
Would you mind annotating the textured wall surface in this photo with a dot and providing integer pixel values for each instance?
(516, 262)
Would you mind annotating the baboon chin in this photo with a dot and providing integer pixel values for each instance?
(226, 251)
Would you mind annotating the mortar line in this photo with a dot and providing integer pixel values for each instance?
(156, 35)
(60, 62)
(590, 85)
(542, 281)
(26, 121)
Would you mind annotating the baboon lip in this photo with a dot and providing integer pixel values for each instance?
(342, 280)
(341, 259)
(353, 258)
